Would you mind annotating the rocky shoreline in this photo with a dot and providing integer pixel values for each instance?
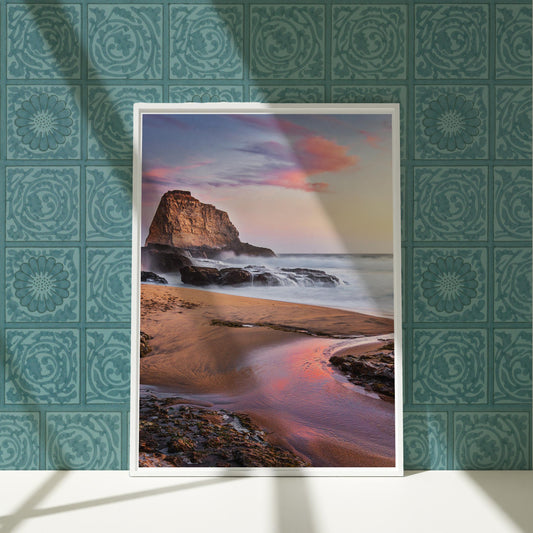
(173, 433)
(372, 369)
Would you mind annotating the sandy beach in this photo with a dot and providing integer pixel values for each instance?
(219, 350)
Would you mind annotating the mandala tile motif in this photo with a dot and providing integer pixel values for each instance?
(83, 441)
(376, 95)
(451, 41)
(125, 41)
(42, 366)
(512, 203)
(43, 41)
(108, 366)
(287, 95)
(111, 119)
(449, 284)
(451, 122)
(513, 122)
(450, 203)
(425, 441)
(42, 284)
(109, 203)
(513, 41)
(43, 122)
(108, 284)
(206, 42)
(206, 93)
(449, 364)
(492, 441)
(19, 441)
(512, 366)
(369, 42)
(512, 284)
(287, 42)
(42, 203)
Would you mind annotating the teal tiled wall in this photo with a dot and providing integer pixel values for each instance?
(70, 72)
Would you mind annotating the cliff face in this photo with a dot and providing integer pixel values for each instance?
(183, 222)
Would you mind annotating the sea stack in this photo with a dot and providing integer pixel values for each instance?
(182, 221)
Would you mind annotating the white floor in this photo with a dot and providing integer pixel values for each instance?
(427, 502)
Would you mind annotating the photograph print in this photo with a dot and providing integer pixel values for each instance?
(266, 271)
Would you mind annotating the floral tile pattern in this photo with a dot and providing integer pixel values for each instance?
(42, 284)
(125, 41)
(450, 203)
(205, 42)
(108, 284)
(369, 42)
(19, 441)
(108, 203)
(43, 122)
(83, 441)
(451, 122)
(287, 42)
(71, 71)
(42, 366)
(452, 41)
(43, 41)
(108, 366)
(42, 203)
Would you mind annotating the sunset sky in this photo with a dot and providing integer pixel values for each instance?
(293, 183)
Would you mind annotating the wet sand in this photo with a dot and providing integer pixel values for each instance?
(246, 354)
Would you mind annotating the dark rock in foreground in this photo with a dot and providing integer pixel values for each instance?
(163, 258)
(173, 434)
(145, 346)
(152, 277)
(318, 277)
(374, 370)
(200, 276)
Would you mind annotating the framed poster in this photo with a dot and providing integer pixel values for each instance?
(266, 327)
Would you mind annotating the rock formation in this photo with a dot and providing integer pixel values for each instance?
(183, 222)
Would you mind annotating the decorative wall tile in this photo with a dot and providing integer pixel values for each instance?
(492, 441)
(287, 42)
(450, 203)
(125, 41)
(512, 284)
(348, 94)
(449, 364)
(83, 441)
(108, 203)
(111, 119)
(513, 122)
(449, 284)
(43, 41)
(42, 284)
(512, 366)
(451, 41)
(287, 95)
(43, 122)
(425, 441)
(205, 93)
(513, 41)
(42, 366)
(108, 366)
(42, 203)
(108, 284)
(451, 122)
(19, 441)
(206, 41)
(512, 203)
(369, 42)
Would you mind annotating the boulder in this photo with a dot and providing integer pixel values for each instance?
(201, 276)
(152, 277)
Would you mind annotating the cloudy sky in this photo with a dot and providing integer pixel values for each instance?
(293, 183)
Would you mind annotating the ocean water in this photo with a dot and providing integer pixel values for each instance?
(366, 280)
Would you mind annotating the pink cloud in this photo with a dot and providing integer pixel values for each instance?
(372, 139)
(317, 154)
(296, 179)
(165, 172)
